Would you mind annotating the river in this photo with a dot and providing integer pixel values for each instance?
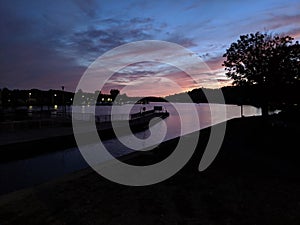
(24, 173)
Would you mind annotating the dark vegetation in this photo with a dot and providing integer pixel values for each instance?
(265, 70)
(270, 63)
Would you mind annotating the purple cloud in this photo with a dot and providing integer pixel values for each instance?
(45, 44)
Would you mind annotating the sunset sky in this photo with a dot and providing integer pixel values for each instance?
(46, 44)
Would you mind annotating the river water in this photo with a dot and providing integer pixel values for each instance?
(24, 173)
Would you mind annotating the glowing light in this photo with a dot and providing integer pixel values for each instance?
(55, 107)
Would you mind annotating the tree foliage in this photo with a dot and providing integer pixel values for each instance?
(263, 59)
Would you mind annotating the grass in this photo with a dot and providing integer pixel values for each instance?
(254, 180)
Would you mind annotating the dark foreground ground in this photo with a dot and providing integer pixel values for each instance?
(254, 180)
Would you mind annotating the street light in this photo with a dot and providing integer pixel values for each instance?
(52, 99)
(29, 95)
(63, 100)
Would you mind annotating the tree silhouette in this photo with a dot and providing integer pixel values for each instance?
(114, 93)
(266, 61)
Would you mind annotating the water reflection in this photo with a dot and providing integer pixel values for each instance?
(25, 173)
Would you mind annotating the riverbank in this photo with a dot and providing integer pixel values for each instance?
(254, 180)
(25, 139)
(24, 143)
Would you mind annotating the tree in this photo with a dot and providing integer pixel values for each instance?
(114, 93)
(267, 61)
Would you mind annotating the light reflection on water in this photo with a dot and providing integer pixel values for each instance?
(28, 172)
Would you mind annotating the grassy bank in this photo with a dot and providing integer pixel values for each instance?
(254, 180)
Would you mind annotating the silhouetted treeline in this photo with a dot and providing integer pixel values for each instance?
(240, 95)
(245, 95)
(114, 97)
(35, 97)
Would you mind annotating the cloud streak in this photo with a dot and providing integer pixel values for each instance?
(46, 44)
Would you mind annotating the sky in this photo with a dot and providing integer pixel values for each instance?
(46, 44)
